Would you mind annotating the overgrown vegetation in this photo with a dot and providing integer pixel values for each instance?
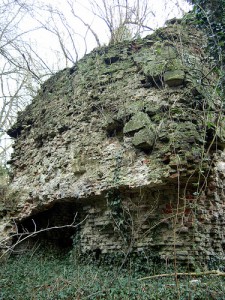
(210, 17)
(53, 275)
(50, 275)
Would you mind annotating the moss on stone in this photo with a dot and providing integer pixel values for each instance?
(174, 78)
(144, 139)
(137, 122)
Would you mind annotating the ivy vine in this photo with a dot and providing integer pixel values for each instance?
(114, 201)
(210, 17)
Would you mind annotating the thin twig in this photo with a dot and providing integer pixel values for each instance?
(26, 235)
(196, 274)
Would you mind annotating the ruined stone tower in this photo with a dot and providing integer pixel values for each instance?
(130, 141)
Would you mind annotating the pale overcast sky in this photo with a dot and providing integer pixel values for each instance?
(48, 45)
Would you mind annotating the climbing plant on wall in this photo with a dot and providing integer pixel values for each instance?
(210, 16)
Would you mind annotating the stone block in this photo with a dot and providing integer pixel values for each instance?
(144, 139)
(137, 122)
(174, 78)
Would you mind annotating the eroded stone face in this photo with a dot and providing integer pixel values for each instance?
(125, 134)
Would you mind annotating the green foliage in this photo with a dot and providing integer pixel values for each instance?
(210, 16)
(119, 216)
(121, 219)
(50, 275)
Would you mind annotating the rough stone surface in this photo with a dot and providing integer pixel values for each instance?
(174, 78)
(139, 161)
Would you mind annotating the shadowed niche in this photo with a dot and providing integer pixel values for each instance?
(55, 227)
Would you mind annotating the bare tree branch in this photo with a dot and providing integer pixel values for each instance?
(25, 235)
